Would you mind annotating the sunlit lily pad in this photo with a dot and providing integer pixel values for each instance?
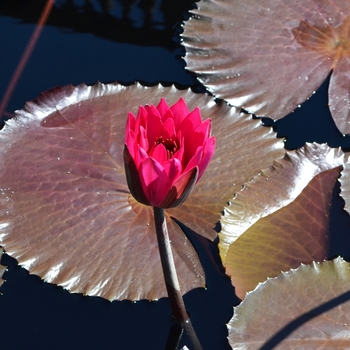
(268, 57)
(280, 218)
(306, 308)
(66, 211)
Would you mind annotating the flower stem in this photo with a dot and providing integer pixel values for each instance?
(170, 277)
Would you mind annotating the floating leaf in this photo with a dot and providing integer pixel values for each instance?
(268, 57)
(296, 233)
(283, 213)
(306, 308)
(66, 212)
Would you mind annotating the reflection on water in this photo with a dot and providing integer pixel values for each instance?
(140, 22)
(139, 13)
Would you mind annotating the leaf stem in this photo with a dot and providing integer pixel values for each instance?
(170, 277)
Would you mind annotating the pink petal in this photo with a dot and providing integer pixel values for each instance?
(133, 178)
(130, 141)
(154, 128)
(169, 129)
(140, 155)
(195, 159)
(142, 139)
(191, 122)
(181, 189)
(129, 133)
(179, 155)
(173, 169)
(163, 107)
(154, 181)
(179, 136)
(164, 110)
(204, 128)
(197, 139)
(153, 110)
(208, 152)
(168, 115)
(141, 119)
(191, 145)
(130, 122)
(159, 153)
(180, 111)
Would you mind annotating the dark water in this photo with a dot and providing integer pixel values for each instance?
(131, 41)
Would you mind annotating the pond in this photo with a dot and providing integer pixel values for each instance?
(124, 41)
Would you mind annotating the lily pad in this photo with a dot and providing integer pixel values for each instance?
(268, 57)
(306, 308)
(280, 218)
(66, 211)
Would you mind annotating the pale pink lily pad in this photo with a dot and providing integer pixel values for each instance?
(280, 218)
(66, 212)
(269, 56)
(307, 308)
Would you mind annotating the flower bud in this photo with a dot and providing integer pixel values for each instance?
(166, 152)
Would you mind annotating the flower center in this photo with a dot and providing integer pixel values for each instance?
(170, 145)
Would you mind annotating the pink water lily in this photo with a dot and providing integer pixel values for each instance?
(166, 152)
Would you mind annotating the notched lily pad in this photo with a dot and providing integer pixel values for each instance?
(306, 308)
(66, 211)
(269, 58)
(280, 218)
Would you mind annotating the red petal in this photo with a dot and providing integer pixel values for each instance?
(191, 145)
(140, 155)
(204, 128)
(195, 160)
(142, 139)
(191, 122)
(180, 155)
(129, 132)
(173, 169)
(208, 152)
(180, 111)
(194, 119)
(153, 110)
(154, 128)
(198, 138)
(130, 141)
(155, 182)
(180, 189)
(163, 107)
(159, 153)
(130, 123)
(133, 179)
(169, 129)
(164, 110)
(141, 119)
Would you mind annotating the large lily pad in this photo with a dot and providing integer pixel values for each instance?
(269, 57)
(306, 308)
(67, 214)
(280, 218)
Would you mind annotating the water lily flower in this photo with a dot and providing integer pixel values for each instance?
(166, 152)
